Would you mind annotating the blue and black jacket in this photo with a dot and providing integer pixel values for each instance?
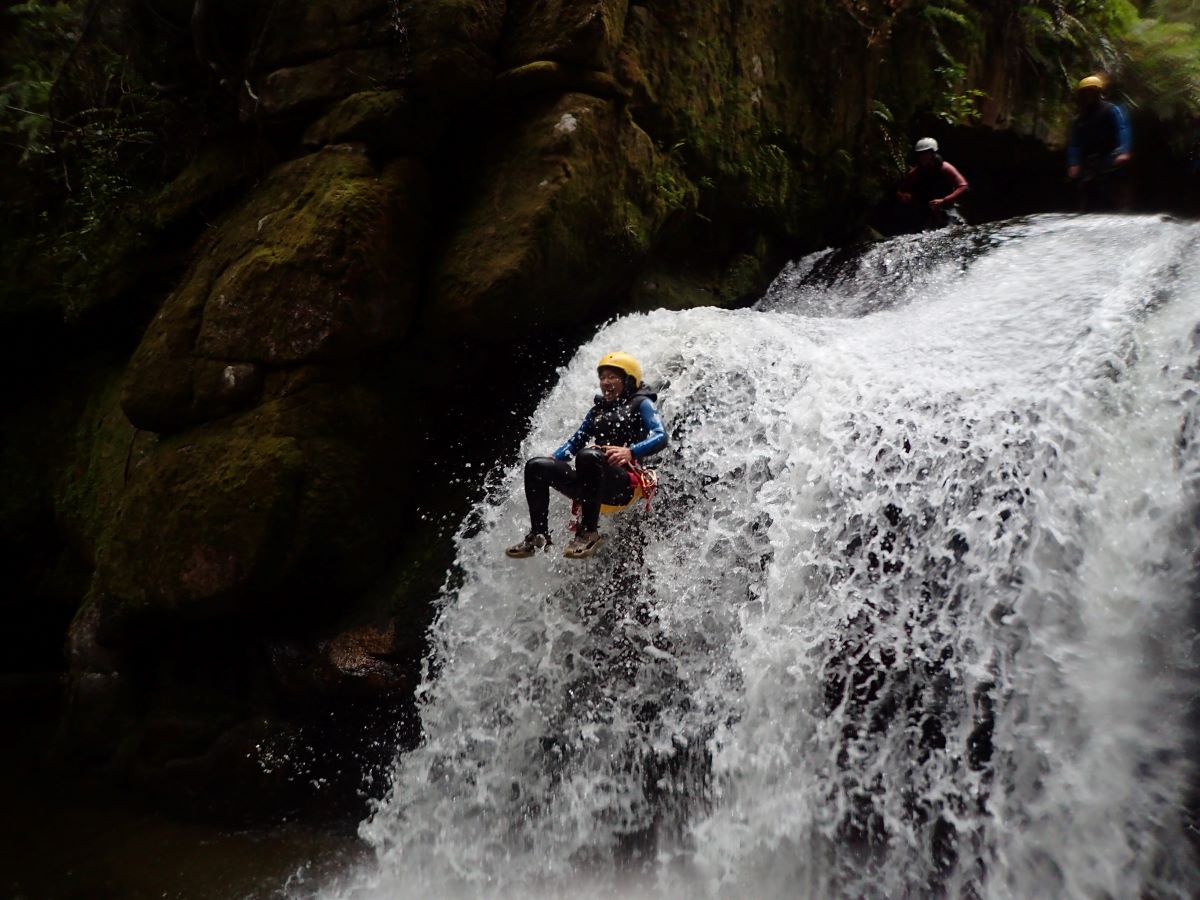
(629, 421)
(1099, 135)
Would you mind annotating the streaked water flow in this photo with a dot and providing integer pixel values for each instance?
(914, 615)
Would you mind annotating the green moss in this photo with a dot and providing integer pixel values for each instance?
(570, 200)
(105, 448)
(293, 275)
(584, 32)
(548, 77)
(374, 117)
(217, 169)
(203, 526)
(664, 289)
(674, 189)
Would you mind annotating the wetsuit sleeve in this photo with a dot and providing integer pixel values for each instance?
(960, 183)
(656, 434)
(576, 441)
(1124, 135)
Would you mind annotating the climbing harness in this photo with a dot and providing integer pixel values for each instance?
(644, 482)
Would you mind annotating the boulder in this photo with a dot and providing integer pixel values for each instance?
(547, 77)
(206, 524)
(105, 448)
(440, 52)
(321, 263)
(362, 661)
(217, 171)
(389, 122)
(572, 198)
(297, 88)
(451, 48)
(585, 32)
(320, 28)
(289, 506)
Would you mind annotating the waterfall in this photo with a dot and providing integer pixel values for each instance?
(915, 613)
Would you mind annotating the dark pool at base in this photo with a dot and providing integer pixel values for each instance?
(65, 837)
(82, 842)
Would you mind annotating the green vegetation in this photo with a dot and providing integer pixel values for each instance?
(1162, 54)
(41, 38)
(85, 134)
(670, 183)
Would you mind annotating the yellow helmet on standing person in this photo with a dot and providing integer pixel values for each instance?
(1090, 83)
(626, 363)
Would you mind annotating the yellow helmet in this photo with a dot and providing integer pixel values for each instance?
(1091, 83)
(626, 363)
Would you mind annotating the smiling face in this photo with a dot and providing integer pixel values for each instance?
(612, 382)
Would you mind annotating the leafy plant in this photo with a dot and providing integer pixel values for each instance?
(1162, 61)
(86, 127)
(41, 36)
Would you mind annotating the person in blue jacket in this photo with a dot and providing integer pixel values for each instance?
(620, 430)
(1099, 148)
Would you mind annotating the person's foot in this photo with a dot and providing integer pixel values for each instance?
(583, 544)
(529, 545)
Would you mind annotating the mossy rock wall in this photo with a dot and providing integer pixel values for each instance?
(567, 208)
(269, 341)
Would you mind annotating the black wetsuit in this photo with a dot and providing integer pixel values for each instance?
(942, 182)
(1098, 136)
(629, 421)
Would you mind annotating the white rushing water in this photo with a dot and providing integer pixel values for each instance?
(914, 615)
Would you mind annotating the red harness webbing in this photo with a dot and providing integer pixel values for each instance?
(640, 479)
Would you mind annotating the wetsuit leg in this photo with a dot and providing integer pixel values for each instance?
(598, 482)
(541, 474)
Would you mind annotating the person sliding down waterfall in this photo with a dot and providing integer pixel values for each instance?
(623, 428)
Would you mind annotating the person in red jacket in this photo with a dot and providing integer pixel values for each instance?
(932, 186)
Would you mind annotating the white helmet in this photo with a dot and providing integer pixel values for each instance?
(926, 144)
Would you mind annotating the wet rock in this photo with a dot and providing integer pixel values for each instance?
(322, 28)
(205, 525)
(389, 121)
(362, 661)
(292, 90)
(294, 275)
(441, 53)
(358, 655)
(216, 171)
(104, 449)
(284, 506)
(548, 77)
(579, 177)
(586, 32)
(98, 700)
(85, 652)
(179, 763)
(310, 285)
(451, 47)
(221, 387)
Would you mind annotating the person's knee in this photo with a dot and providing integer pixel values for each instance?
(591, 458)
(539, 468)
